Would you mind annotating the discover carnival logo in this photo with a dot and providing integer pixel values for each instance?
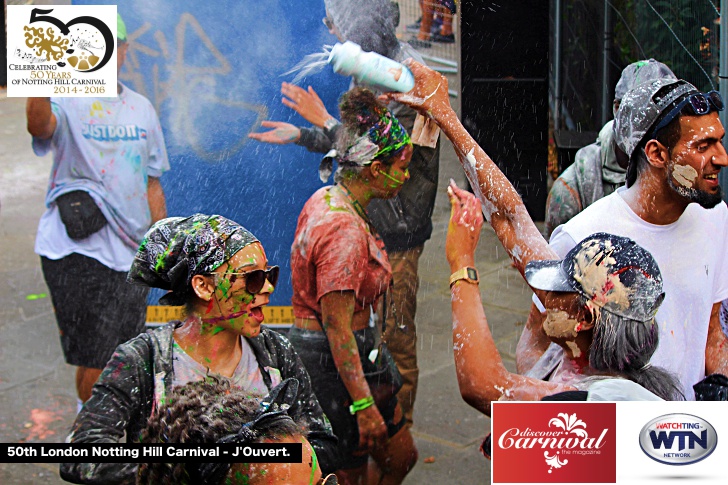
(571, 442)
(678, 439)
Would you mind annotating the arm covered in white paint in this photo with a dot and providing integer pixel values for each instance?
(502, 205)
(482, 377)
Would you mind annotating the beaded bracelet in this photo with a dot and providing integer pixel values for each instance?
(361, 404)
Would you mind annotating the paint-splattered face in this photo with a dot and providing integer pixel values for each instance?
(242, 311)
(303, 473)
(392, 178)
(565, 315)
(697, 159)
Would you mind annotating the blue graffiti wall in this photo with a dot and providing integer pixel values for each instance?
(213, 70)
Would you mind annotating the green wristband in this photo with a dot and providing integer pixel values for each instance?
(361, 404)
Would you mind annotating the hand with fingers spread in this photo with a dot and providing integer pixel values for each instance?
(430, 94)
(372, 430)
(281, 134)
(306, 103)
(463, 232)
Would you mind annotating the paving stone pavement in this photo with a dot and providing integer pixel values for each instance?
(37, 393)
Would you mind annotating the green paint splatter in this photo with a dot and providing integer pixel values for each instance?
(36, 296)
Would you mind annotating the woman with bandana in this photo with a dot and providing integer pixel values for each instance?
(219, 271)
(340, 277)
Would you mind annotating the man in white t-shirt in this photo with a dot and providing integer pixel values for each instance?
(104, 193)
(672, 206)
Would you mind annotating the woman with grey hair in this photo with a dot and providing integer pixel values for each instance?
(341, 275)
(606, 353)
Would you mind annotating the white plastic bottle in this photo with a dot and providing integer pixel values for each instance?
(371, 69)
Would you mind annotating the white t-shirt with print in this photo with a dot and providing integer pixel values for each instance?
(692, 256)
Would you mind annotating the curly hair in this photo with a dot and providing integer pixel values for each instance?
(363, 114)
(203, 412)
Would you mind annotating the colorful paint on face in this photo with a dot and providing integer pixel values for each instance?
(396, 174)
(234, 308)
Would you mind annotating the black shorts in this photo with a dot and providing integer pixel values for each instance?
(313, 349)
(96, 309)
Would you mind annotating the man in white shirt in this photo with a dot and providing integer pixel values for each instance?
(104, 193)
(672, 206)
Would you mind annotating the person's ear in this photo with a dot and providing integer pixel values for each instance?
(657, 154)
(375, 167)
(588, 320)
(203, 287)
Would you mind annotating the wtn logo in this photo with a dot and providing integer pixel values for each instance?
(665, 439)
(678, 439)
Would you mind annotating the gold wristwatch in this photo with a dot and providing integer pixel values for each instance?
(467, 273)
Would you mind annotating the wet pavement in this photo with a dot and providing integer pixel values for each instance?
(37, 392)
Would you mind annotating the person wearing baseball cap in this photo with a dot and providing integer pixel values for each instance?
(618, 287)
(672, 206)
(600, 168)
(673, 136)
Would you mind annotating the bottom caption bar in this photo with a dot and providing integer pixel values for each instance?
(150, 453)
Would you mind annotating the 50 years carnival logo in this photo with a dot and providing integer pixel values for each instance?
(678, 439)
(66, 50)
(565, 442)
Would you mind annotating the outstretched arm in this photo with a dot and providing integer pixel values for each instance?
(502, 205)
(318, 139)
(307, 104)
(482, 377)
(281, 133)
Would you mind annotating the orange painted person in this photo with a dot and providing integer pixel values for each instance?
(341, 275)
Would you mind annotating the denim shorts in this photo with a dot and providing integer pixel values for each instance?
(313, 349)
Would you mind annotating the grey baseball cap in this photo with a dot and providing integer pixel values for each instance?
(613, 272)
(640, 72)
(642, 106)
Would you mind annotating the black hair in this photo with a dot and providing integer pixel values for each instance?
(202, 412)
(668, 136)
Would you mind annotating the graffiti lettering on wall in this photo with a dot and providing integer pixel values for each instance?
(189, 90)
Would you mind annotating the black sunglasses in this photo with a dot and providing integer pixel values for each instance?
(328, 23)
(255, 280)
(700, 103)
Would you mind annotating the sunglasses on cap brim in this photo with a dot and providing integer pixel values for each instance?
(255, 280)
(700, 103)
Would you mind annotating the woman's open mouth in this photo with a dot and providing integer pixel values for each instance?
(257, 314)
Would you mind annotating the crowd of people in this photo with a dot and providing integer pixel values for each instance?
(630, 293)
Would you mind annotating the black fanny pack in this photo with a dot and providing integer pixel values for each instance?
(80, 214)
